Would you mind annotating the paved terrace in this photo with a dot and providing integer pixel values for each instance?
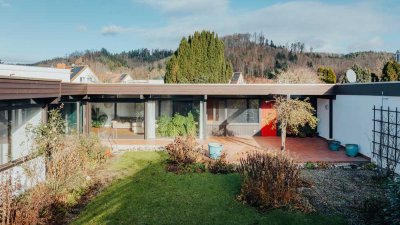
(301, 149)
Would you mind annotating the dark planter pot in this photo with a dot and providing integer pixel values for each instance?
(334, 145)
(352, 150)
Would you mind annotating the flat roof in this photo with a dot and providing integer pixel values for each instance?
(20, 88)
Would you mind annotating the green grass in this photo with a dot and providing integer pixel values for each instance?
(150, 195)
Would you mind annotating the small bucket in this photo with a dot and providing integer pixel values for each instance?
(215, 150)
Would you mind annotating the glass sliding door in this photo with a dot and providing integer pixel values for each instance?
(70, 114)
(119, 120)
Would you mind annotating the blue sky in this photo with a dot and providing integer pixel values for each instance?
(33, 30)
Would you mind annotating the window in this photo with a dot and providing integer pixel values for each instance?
(13, 132)
(253, 111)
(237, 110)
(233, 110)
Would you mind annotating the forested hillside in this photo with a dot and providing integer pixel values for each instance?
(139, 63)
(257, 57)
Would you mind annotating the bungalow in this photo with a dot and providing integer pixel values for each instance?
(349, 113)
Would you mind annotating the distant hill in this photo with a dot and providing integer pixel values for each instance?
(140, 63)
(258, 58)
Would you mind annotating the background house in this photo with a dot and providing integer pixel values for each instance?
(397, 56)
(35, 72)
(83, 74)
(237, 78)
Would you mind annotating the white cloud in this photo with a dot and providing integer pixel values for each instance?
(329, 27)
(186, 6)
(374, 43)
(4, 4)
(81, 28)
(112, 30)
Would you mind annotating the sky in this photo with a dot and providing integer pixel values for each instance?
(33, 30)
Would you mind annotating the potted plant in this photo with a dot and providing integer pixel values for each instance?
(352, 150)
(334, 145)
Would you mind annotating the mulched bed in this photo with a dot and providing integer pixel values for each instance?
(339, 191)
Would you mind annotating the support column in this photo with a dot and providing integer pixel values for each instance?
(87, 117)
(150, 119)
(330, 118)
(201, 121)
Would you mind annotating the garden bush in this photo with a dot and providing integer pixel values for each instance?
(221, 166)
(68, 162)
(270, 180)
(177, 125)
(185, 155)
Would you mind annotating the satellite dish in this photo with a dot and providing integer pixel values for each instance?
(351, 76)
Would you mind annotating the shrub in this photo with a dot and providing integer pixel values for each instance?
(185, 155)
(270, 180)
(67, 162)
(177, 125)
(221, 166)
(310, 165)
(327, 75)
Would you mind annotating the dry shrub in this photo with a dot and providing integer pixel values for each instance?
(270, 180)
(185, 155)
(67, 163)
(184, 150)
(221, 165)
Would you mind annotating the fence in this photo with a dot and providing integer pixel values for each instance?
(386, 143)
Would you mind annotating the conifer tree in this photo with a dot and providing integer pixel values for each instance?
(199, 58)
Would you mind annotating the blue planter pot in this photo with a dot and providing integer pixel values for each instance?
(334, 145)
(215, 150)
(352, 150)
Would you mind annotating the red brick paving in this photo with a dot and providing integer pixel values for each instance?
(301, 149)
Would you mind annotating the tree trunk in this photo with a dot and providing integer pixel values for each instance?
(283, 136)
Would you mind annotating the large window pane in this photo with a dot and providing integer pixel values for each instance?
(220, 110)
(253, 111)
(210, 110)
(20, 119)
(237, 110)
(3, 137)
(69, 113)
(118, 120)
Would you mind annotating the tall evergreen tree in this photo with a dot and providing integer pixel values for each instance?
(363, 74)
(199, 59)
(391, 71)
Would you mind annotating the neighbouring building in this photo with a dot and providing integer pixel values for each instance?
(397, 56)
(83, 74)
(35, 72)
(237, 78)
(127, 79)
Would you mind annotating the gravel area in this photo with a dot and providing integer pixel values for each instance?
(341, 191)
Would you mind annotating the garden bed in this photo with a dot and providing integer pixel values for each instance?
(339, 191)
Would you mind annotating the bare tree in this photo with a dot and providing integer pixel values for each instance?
(292, 114)
(298, 75)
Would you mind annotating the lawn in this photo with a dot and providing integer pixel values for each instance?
(150, 195)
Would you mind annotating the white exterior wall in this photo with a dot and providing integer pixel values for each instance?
(323, 117)
(35, 72)
(86, 76)
(352, 119)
